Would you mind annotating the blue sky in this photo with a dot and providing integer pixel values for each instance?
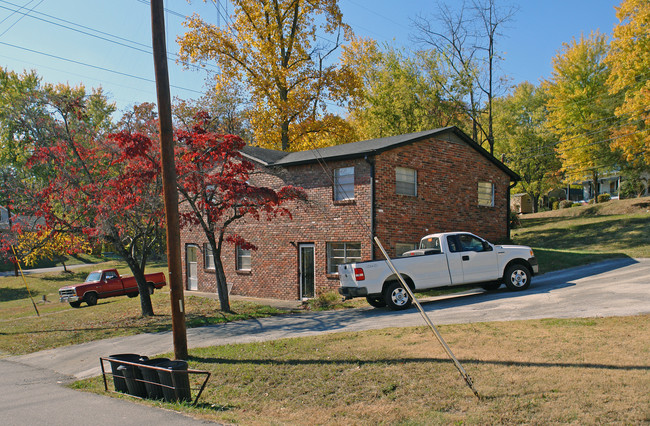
(66, 53)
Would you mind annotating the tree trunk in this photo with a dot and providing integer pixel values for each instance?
(222, 285)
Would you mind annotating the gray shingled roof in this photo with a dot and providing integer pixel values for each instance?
(271, 157)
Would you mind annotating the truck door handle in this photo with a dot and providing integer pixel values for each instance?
(465, 257)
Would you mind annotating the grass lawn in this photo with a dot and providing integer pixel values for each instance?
(587, 234)
(59, 324)
(580, 371)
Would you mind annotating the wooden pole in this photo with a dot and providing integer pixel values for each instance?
(169, 179)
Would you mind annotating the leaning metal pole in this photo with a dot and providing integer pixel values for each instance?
(426, 318)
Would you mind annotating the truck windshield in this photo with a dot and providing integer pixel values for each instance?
(430, 243)
(94, 276)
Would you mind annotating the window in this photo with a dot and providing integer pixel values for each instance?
(344, 184)
(430, 243)
(401, 248)
(406, 181)
(208, 257)
(486, 194)
(243, 259)
(470, 243)
(340, 253)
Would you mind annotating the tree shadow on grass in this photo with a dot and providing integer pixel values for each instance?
(400, 361)
(8, 294)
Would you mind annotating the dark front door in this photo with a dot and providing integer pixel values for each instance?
(306, 261)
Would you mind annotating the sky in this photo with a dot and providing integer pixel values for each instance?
(108, 43)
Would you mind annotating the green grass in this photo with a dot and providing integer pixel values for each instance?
(582, 235)
(22, 331)
(551, 371)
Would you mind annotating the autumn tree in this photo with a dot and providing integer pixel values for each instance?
(581, 111)
(629, 61)
(281, 51)
(225, 105)
(399, 93)
(525, 142)
(81, 181)
(465, 41)
(214, 184)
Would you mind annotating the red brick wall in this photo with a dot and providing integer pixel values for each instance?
(274, 266)
(448, 173)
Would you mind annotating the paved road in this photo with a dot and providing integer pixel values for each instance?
(612, 288)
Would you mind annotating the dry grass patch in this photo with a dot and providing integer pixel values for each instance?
(582, 371)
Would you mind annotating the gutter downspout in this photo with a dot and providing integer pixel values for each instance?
(371, 162)
(512, 185)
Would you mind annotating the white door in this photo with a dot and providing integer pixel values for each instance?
(191, 267)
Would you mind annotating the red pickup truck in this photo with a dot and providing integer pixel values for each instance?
(107, 283)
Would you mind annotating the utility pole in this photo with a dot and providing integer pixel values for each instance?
(169, 179)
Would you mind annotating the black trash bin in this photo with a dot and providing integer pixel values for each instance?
(176, 380)
(151, 378)
(118, 377)
(133, 378)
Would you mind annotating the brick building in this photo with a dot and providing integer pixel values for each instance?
(397, 188)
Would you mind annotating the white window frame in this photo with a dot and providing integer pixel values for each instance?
(240, 256)
(406, 181)
(344, 183)
(334, 261)
(208, 257)
(486, 194)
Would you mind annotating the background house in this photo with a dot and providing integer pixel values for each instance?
(397, 188)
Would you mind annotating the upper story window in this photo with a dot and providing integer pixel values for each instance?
(344, 183)
(243, 259)
(208, 260)
(486, 194)
(406, 181)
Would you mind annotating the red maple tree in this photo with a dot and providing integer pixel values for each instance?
(215, 191)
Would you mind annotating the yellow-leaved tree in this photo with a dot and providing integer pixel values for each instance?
(629, 61)
(280, 51)
(580, 109)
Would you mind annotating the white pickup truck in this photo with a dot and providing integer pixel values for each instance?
(446, 259)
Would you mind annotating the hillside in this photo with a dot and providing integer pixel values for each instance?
(613, 207)
(581, 235)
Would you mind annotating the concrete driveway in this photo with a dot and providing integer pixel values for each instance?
(31, 394)
(616, 287)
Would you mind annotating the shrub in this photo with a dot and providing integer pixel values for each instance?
(565, 204)
(603, 198)
(325, 300)
(576, 204)
(552, 201)
(556, 205)
(514, 220)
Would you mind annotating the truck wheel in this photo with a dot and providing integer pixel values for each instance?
(517, 277)
(91, 299)
(75, 304)
(396, 297)
(376, 301)
(134, 294)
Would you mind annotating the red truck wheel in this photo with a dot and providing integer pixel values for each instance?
(91, 299)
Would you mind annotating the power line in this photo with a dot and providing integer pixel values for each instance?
(94, 66)
(19, 19)
(146, 47)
